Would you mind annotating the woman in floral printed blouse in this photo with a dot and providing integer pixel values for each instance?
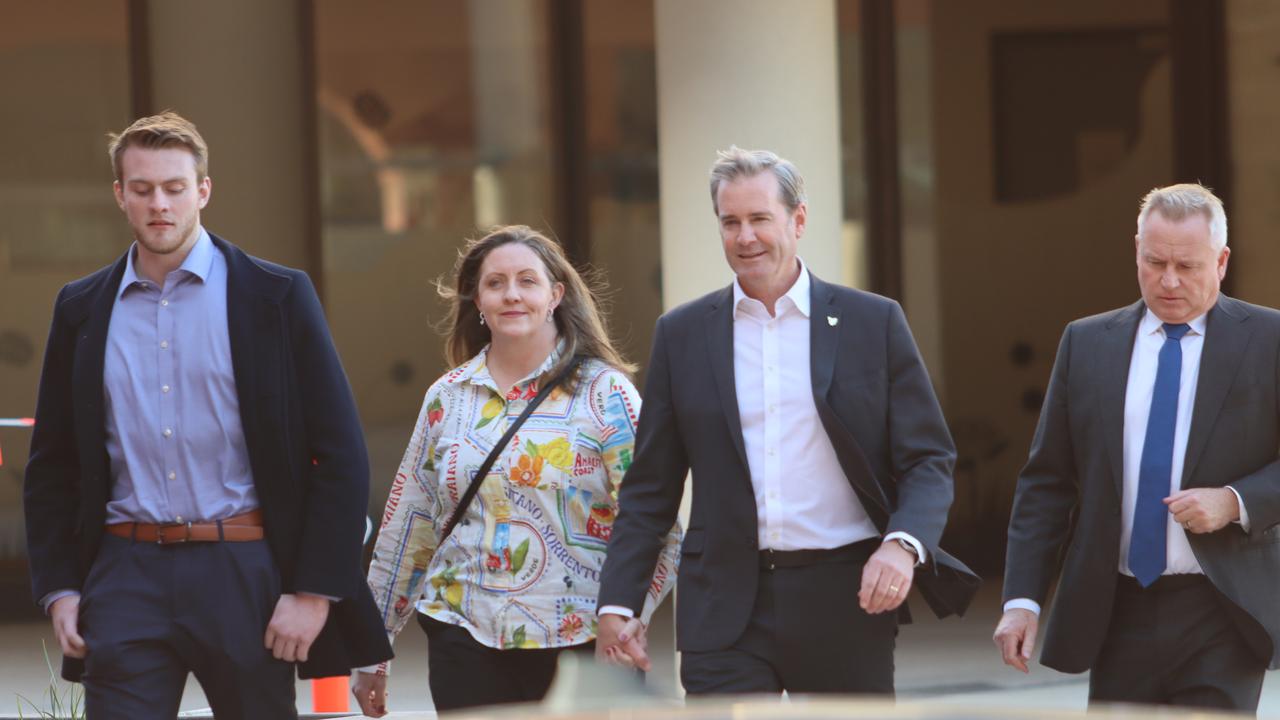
(516, 581)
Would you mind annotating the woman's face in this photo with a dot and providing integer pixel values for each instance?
(515, 293)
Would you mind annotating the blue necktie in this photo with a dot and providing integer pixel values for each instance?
(1147, 544)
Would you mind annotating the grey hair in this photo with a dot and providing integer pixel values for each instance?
(1176, 202)
(736, 163)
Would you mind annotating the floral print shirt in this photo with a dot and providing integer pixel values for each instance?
(522, 567)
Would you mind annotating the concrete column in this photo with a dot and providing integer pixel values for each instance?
(760, 74)
(235, 69)
(509, 94)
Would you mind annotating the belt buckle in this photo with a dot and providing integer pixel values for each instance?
(160, 533)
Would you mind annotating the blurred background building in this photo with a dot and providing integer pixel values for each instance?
(980, 161)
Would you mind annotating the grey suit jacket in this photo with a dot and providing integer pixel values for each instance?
(876, 404)
(1069, 493)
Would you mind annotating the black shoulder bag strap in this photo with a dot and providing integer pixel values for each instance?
(483, 472)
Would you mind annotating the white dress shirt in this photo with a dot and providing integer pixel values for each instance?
(1143, 363)
(803, 498)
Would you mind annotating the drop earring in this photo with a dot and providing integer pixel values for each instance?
(549, 313)
(482, 318)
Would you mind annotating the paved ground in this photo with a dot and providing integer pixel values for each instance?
(947, 663)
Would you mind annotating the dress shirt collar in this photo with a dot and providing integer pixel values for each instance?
(1152, 325)
(476, 371)
(798, 294)
(199, 262)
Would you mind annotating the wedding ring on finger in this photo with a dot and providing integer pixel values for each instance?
(893, 588)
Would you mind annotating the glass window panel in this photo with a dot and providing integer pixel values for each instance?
(433, 126)
(64, 74)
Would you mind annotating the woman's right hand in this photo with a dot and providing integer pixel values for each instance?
(370, 690)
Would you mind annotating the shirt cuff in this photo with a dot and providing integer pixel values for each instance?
(921, 557)
(1243, 522)
(47, 601)
(1022, 604)
(616, 610)
(330, 598)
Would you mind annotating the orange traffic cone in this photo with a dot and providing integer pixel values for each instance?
(330, 695)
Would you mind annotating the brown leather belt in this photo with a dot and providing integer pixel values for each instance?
(241, 528)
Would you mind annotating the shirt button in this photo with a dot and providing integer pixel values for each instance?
(173, 476)
(169, 431)
(164, 303)
(179, 519)
(164, 344)
(773, 408)
(770, 450)
(164, 389)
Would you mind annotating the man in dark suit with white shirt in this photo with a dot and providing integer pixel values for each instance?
(822, 467)
(1155, 466)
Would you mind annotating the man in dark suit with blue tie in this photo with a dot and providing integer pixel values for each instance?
(197, 483)
(1154, 466)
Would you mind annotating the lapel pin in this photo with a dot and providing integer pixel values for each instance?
(832, 320)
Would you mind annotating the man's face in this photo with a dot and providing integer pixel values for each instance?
(1178, 270)
(161, 197)
(759, 234)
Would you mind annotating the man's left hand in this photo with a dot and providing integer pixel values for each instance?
(1204, 510)
(886, 578)
(294, 625)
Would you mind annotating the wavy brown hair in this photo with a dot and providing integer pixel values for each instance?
(579, 320)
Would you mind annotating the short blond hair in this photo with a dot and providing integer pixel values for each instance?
(168, 129)
(1177, 202)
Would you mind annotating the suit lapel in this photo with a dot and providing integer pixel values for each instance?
(719, 325)
(90, 362)
(824, 336)
(1226, 338)
(256, 335)
(1112, 372)
(241, 308)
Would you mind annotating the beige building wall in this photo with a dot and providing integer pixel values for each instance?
(758, 74)
(1253, 44)
(1015, 273)
(247, 94)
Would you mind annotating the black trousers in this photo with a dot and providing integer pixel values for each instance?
(1174, 644)
(150, 614)
(806, 635)
(464, 673)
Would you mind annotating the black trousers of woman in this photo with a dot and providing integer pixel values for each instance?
(465, 673)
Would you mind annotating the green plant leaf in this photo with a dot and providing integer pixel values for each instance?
(517, 558)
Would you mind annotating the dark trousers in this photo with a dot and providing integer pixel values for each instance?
(806, 635)
(1174, 644)
(464, 673)
(149, 614)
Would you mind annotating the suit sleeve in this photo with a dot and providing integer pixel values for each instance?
(336, 483)
(922, 455)
(1260, 490)
(51, 490)
(1047, 491)
(650, 492)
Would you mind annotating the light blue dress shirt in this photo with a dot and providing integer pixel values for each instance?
(174, 437)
